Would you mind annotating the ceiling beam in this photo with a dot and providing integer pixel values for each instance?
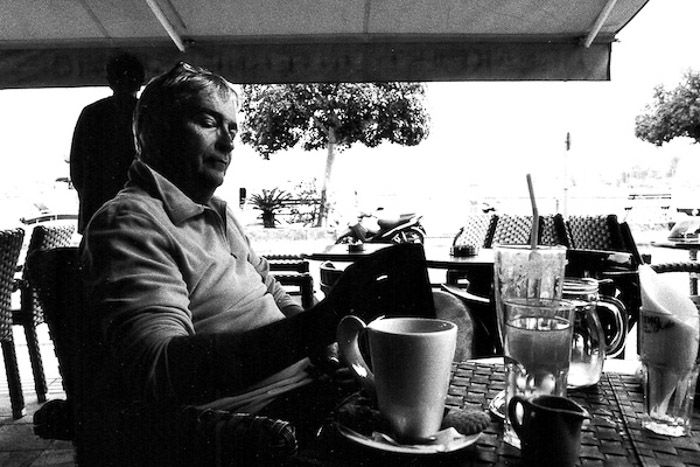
(329, 61)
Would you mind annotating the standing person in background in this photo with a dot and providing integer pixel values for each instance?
(103, 141)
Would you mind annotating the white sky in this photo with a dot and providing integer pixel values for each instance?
(485, 136)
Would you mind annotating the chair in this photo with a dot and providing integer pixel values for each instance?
(552, 231)
(118, 435)
(30, 313)
(293, 271)
(10, 246)
(478, 230)
(597, 232)
(394, 282)
(512, 230)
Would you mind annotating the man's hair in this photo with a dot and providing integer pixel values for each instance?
(164, 99)
(124, 71)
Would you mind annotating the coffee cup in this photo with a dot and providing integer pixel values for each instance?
(410, 375)
(549, 428)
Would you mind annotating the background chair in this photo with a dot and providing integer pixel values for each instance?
(553, 231)
(512, 230)
(10, 246)
(293, 271)
(30, 314)
(477, 230)
(394, 282)
(598, 232)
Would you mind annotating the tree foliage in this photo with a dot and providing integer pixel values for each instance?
(673, 113)
(281, 116)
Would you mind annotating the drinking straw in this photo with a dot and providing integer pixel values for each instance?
(535, 234)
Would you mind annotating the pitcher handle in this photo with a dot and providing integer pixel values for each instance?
(617, 309)
(515, 422)
(349, 331)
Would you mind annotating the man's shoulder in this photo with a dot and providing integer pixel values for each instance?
(99, 106)
(132, 202)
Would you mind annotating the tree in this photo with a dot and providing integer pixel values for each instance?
(673, 113)
(333, 116)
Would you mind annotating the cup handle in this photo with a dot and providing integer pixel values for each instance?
(617, 310)
(516, 423)
(349, 330)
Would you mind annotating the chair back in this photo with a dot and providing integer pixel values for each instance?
(293, 271)
(477, 230)
(55, 275)
(10, 247)
(553, 231)
(392, 281)
(595, 232)
(512, 230)
(44, 237)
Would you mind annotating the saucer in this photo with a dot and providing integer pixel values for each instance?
(497, 406)
(447, 441)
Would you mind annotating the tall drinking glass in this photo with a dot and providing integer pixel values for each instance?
(669, 354)
(537, 346)
(520, 272)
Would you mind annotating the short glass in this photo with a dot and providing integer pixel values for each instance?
(521, 272)
(537, 347)
(669, 350)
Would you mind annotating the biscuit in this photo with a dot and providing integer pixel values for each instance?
(467, 421)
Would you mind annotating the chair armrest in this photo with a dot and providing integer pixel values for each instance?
(464, 295)
(683, 266)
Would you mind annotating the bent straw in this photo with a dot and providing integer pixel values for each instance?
(534, 235)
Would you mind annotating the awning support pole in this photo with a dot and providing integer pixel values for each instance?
(167, 25)
(605, 12)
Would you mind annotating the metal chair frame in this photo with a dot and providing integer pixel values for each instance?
(10, 247)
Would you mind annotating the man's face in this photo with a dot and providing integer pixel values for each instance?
(201, 146)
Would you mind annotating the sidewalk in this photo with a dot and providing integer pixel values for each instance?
(18, 444)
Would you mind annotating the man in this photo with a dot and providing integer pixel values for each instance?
(187, 310)
(103, 144)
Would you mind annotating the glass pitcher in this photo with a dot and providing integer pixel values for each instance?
(600, 328)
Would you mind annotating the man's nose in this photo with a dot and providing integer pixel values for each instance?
(225, 140)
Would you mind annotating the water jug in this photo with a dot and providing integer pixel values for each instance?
(600, 327)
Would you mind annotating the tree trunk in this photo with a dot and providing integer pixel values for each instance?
(330, 158)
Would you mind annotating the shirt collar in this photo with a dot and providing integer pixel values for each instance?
(178, 206)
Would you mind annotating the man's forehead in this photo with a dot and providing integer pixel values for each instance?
(213, 100)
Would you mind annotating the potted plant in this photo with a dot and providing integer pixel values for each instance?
(269, 202)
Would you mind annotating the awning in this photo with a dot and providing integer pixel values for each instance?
(67, 42)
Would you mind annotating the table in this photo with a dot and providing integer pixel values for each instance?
(692, 246)
(613, 436)
(480, 266)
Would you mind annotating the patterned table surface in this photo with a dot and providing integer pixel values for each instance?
(613, 436)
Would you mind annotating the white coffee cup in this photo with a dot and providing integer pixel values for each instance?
(411, 362)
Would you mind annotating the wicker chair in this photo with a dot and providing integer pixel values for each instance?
(512, 230)
(30, 313)
(293, 271)
(598, 232)
(477, 230)
(553, 231)
(10, 246)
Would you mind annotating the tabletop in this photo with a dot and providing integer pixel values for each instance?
(613, 435)
(436, 257)
(691, 244)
